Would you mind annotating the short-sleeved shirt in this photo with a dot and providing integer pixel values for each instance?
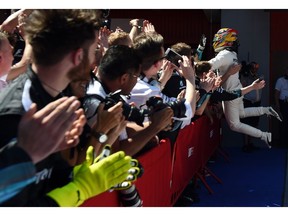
(282, 86)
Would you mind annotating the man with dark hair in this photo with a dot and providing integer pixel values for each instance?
(150, 47)
(63, 44)
(119, 70)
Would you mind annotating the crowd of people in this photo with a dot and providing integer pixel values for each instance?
(79, 86)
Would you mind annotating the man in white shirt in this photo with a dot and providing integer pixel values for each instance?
(150, 47)
(281, 101)
(115, 75)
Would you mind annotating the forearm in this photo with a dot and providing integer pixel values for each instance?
(12, 21)
(133, 32)
(17, 70)
(134, 143)
(190, 94)
(247, 89)
(202, 106)
(22, 65)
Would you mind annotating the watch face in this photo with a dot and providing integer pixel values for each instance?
(103, 138)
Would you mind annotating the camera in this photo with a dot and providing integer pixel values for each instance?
(156, 103)
(130, 197)
(131, 113)
(173, 56)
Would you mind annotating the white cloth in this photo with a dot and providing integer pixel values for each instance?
(222, 62)
(234, 109)
(142, 91)
(96, 88)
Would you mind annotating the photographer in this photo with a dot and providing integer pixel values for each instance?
(67, 58)
(119, 70)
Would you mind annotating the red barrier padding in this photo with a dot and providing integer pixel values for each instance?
(210, 137)
(106, 199)
(193, 147)
(186, 158)
(154, 185)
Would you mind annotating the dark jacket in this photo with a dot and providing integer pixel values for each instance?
(48, 170)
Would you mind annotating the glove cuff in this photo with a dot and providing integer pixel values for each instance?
(67, 196)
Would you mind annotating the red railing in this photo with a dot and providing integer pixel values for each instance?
(166, 173)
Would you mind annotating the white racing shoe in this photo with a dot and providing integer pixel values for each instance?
(267, 138)
(274, 113)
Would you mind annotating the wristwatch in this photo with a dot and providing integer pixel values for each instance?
(101, 137)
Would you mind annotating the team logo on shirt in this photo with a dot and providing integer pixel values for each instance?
(43, 174)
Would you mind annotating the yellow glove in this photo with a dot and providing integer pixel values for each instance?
(91, 180)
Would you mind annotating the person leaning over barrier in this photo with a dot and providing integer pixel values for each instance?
(69, 38)
(112, 76)
(215, 93)
(150, 47)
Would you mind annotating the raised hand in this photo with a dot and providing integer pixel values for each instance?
(55, 127)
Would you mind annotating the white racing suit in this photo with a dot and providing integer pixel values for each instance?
(234, 109)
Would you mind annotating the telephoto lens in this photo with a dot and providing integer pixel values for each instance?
(130, 197)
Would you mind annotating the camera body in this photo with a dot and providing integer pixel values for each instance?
(156, 103)
(91, 102)
(173, 56)
(131, 113)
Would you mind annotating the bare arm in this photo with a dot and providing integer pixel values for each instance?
(21, 66)
(188, 72)
(12, 21)
(134, 29)
(254, 86)
(159, 121)
(166, 73)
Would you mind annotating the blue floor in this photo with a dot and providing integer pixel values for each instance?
(255, 179)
